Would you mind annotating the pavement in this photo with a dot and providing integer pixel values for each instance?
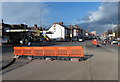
(101, 65)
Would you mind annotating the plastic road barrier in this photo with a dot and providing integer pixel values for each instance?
(27, 51)
(94, 42)
(62, 51)
(49, 51)
(76, 51)
(119, 45)
(18, 51)
(71, 51)
(37, 51)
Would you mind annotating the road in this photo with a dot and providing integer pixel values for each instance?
(101, 65)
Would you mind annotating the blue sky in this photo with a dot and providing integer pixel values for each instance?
(99, 16)
(68, 12)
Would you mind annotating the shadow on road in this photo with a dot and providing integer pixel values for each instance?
(87, 57)
(9, 64)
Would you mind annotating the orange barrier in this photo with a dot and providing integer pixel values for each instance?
(76, 51)
(18, 51)
(27, 51)
(62, 51)
(49, 51)
(94, 42)
(73, 51)
(38, 51)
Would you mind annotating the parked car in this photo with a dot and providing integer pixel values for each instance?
(107, 41)
(114, 42)
(81, 39)
(5, 40)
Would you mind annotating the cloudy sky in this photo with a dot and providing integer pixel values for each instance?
(98, 16)
(102, 19)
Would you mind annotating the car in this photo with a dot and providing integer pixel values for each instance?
(114, 42)
(5, 40)
(107, 41)
(80, 39)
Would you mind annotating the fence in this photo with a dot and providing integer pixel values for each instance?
(71, 51)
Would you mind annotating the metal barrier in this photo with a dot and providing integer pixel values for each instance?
(73, 51)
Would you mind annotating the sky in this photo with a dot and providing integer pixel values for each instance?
(98, 16)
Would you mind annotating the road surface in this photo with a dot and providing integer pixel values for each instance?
(102, 64)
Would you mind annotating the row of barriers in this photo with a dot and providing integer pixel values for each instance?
(95, 42)
(71, 51)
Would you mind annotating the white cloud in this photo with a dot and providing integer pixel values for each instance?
(107, 11)
(104, 18)
(25, 12)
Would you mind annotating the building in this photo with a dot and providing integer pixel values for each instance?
(13, 37)
(59, 32)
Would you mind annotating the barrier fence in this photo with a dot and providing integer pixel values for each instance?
(71, 51)
(95, 42)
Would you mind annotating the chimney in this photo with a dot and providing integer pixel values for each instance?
(76, 26)
(55, 23)
(61, 23)
(70, 26)
(35, 25)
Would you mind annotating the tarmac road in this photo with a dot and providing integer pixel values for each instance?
(102, 65)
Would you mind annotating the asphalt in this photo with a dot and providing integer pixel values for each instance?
(102, 64)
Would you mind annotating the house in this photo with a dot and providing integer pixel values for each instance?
(59, 31)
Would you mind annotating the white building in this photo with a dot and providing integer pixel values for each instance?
(58, 32)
